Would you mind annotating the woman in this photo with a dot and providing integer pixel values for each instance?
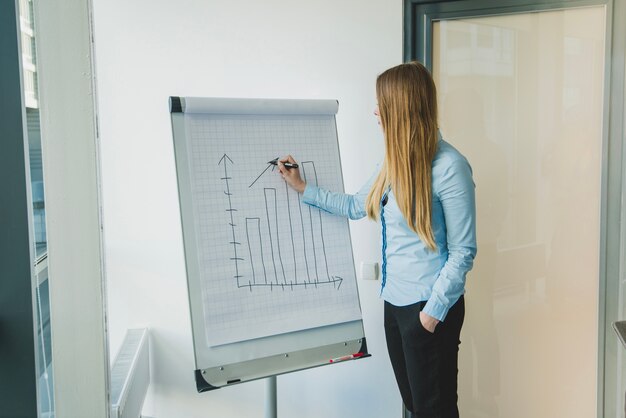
(423, 194)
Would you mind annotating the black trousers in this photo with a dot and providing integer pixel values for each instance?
(425, 364)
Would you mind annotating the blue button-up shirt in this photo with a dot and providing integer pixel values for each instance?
(412, 272)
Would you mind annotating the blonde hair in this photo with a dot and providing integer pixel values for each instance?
(407, 103)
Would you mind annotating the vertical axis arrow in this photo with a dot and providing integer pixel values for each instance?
(225, 159)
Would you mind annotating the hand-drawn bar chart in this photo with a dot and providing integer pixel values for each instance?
(273, 261)
(260, 262)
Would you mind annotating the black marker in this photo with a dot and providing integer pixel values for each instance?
(287, 165)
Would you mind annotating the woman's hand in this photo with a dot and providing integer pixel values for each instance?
(291, 175)
(428, 322)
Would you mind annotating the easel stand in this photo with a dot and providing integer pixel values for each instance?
(270, 398)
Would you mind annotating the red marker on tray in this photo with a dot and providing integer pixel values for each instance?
(344, 358)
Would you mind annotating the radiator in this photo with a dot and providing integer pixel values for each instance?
(130, 375)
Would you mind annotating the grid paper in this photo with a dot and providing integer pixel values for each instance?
(269, 264)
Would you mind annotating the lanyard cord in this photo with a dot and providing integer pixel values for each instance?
(383, 202)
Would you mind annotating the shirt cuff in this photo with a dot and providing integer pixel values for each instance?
(309, 194)
(436, 310)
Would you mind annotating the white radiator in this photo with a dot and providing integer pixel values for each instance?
(130, 375)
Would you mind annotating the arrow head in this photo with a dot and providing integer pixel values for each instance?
(338, 279)
(222, 159)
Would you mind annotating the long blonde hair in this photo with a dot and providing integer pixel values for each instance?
(407, 103)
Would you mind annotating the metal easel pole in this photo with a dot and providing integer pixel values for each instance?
(270, 398)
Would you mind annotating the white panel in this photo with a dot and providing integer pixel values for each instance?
(521, 96)
(68, 125)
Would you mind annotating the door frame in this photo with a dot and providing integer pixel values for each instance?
(419, 16)
(71, 172)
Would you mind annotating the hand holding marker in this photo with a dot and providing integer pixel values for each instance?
(288, 169)
(286, 164)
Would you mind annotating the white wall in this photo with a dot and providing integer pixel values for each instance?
(149, 50)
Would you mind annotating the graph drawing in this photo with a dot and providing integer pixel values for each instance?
(265, 253)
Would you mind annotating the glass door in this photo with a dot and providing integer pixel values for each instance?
(40, 251)
(26, 387)
(522, 93)
(521, 96)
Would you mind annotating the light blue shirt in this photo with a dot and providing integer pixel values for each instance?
(413, 273)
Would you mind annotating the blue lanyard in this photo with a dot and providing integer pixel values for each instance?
(383, 202)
